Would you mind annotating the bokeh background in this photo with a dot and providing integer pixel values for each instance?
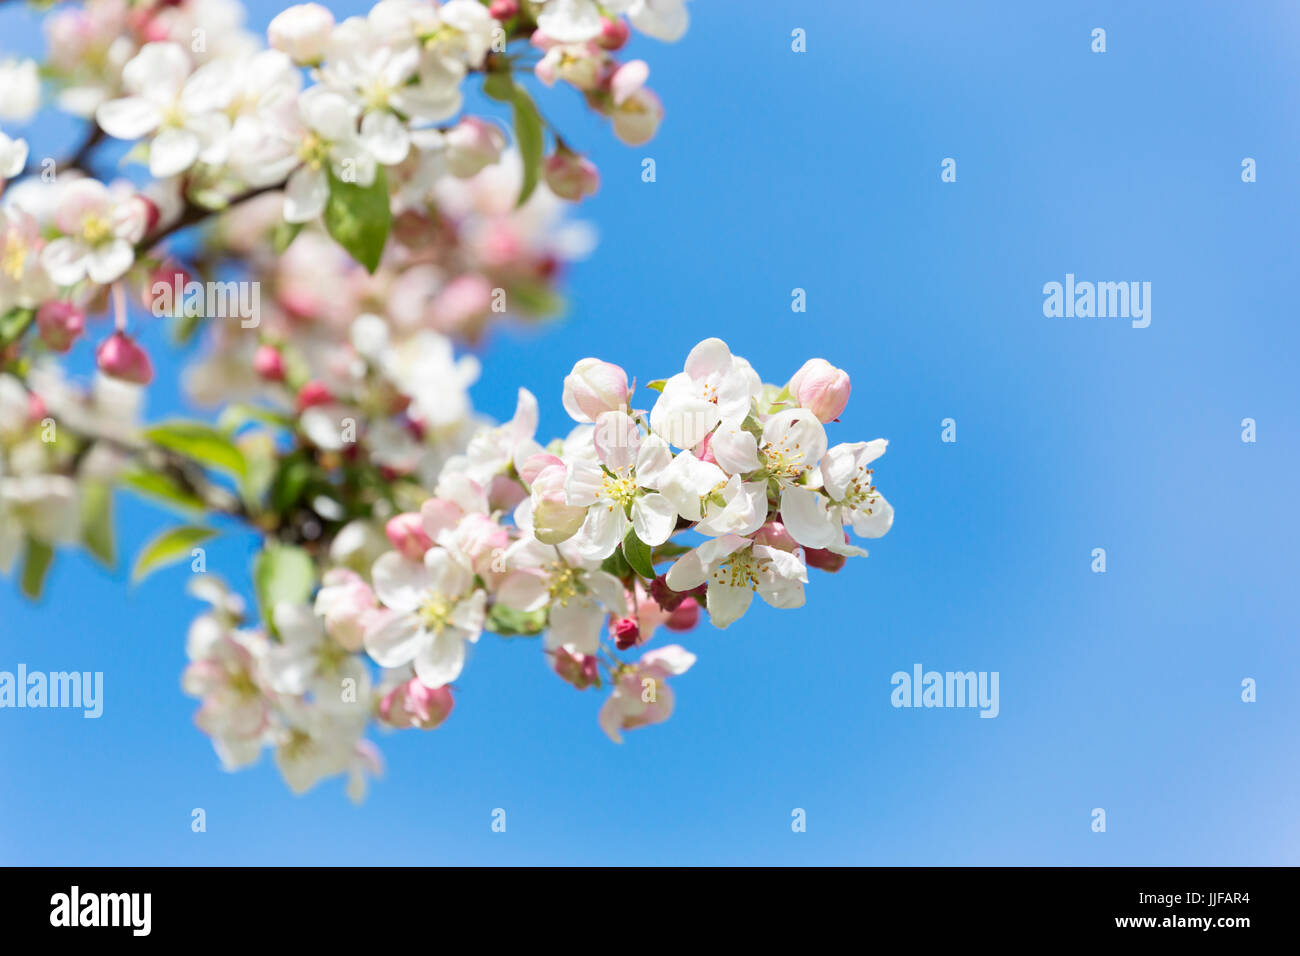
(821, 171)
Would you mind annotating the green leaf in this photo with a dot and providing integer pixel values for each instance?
(163, 489)
(284, 234)
(535, 299)
(668, 551)
(529, 130)
(507, 622)
(258, 449)
(282, 573)
(201, 443)
(290, 482)
(168, 548)
(236, 416)
(185, 328)
(638, 555)
(36, 565)
(358, 217)
(616, 565)
(97, 521)
(13, 324)
(658, 384)
(531, 141)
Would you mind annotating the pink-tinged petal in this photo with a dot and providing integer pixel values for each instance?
(576, 627)
(688, 572)
(627, 80)
(81, 198)
(669, 660)
(734, 449)
(524, 590)
(618, 440)
(611, 718)
(583, 483)
(710, 357)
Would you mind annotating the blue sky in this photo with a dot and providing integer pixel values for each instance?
(821, 171)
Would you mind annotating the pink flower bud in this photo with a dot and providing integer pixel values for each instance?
(406, 534)
(414, 705)
(118, 356)
(36, 410)
(580, 670)
(664, 596)
(821, 388)
(626, 632)
(461, 302)
(613, 34)
(685, 617)
(302, 31)
(347, 605)
(533, 465)
(571, 176)
(774, 535)
(313, 394)
(472, 144)
(60, 324)
(593, 388)
(268, 363)
(824, 559)
(503, 9)
(554, 519)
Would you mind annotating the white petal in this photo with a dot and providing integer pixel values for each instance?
(128, 118)
(575, 626)
(735, 450)
(654, 518)
(173, 151)
(305, 197)
(806, 515)
(400, 583)
(110, 261)
(442, 660)
(395, 640)
(727, 603)
(386, 137)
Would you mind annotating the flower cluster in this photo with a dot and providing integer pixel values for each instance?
(371, 229)
(638, 519)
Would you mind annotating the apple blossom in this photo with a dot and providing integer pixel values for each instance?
(821, 388)
(302, 31)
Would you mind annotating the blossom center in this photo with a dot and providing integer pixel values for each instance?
(435, 613)
(14, 257)
(564, 583)
(95, 229)
(619, 488)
